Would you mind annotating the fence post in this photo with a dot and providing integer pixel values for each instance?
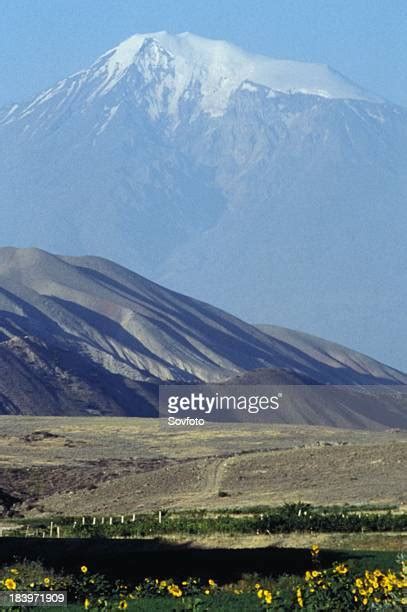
(159, 517)
(51, 528)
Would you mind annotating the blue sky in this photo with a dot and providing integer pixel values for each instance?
(44, 40)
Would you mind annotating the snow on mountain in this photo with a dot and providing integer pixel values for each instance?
(219, 68)
(188, 65)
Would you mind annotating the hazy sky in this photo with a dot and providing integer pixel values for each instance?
(44, 40)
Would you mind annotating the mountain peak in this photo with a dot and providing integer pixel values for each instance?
(220, 67)
(152, 57)
(166, 70)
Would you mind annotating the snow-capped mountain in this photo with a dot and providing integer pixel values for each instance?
(185, 68)
(274, 189)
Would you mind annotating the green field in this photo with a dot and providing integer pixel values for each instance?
(132, 502)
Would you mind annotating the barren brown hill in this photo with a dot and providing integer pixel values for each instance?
(82, 335)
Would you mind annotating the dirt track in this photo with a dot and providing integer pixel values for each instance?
(101, 466)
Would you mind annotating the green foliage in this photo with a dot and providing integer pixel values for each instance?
(336, 588)
(284, 519)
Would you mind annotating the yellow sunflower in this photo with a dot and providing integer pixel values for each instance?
(10, 584)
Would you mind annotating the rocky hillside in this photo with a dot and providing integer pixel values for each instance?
(83, 335)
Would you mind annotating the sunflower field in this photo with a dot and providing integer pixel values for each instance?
(338, 587)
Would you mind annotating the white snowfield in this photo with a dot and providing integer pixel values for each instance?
(220, 68)
(215, 68)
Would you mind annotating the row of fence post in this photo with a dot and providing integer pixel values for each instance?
(55, 530)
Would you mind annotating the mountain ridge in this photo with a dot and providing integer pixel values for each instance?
(83, 335)
(222, 65)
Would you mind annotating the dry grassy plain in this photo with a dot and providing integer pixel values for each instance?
(121, 465)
